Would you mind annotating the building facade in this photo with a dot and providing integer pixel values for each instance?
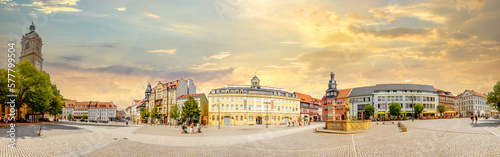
(102, 111)
(68, 108)
(164, 95)
(132, 112)
(471, 102)
(359, 98)
(309, 107)
(252, 105)
(407, 95)
(447, 99)
(202, 104)
(32, 48)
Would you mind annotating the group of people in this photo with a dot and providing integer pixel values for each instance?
(472, 117)
(185, 127)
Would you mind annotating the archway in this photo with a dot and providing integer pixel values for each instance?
(258, 120)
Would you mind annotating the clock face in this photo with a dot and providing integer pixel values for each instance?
(37, 64)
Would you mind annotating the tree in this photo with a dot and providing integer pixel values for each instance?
(144, 113)
(84, 116)
(369, 110)
(190, 110)
(441, 108)
(395, 109)
(4, 88)
(57, 102)
(33, 87)
(154, 113)
(418, 109)
(175, 112)
(494, 96)
(70, 116)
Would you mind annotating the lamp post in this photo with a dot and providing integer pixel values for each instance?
(413, 107)
(218, 117)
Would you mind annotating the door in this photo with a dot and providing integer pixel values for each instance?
(259, 120)
(227, 120)
(286, 120)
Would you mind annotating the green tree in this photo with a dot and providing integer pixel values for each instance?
(70, 116)
(4, 88)
(418, 109)
(57, 102)
(369, 110)
(190, 110)
(33, 87)
(494, 96)
(441, 109)
(175, 112)
(144, 113)
(154, 113)
(395, 109)
(84, 116)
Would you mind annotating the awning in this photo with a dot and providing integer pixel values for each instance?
(450, 112)
(381, 113)
(430, 111)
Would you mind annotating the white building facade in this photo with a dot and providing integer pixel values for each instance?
(103, 111)
(472, 103)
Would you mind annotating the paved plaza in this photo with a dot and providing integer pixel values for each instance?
(445, 137)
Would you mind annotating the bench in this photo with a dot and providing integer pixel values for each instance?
(403, 127)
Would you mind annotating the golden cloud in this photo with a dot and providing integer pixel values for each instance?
(148, 14)
(167, 51)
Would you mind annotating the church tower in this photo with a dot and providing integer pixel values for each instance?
(332, 91)
(32, 48)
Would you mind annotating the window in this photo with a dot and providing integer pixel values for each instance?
(241, 106)
(250, 99)
(227, 107)
(232, 107)
(259, 107)
(250, 107)
(236, 107)
(213, 107)
(241, 117)
(250, 118)
(222, 108)
(232, 98)
(171, 101)
(259, 99)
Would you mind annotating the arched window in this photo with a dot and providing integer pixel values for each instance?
(27, 45)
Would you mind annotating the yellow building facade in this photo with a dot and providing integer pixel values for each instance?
(252, 105)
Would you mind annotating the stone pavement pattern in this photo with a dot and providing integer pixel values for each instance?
(446, 137)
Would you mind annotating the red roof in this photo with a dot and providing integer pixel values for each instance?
(304, 97)
(70, 103)
(343, 93)
(476, 93)
(193, 95)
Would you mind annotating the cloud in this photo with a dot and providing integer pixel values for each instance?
(148, 14)
(289, 42)
(220, 55)
(182, 28)
(202, 66)
(394, 33)
(54, 6)
(121, 9)
(167, 51)
(72, 58)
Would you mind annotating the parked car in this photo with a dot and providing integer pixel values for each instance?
(83, 120)
(104, 121)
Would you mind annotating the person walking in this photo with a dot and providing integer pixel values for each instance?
(472, 118)
(192, 126)
(476, 118)
(183, 128)
(6, 121)
(198, 127)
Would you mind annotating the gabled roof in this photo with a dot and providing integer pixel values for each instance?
(304, 97)
(476, 93)
(344, 93)
(70, 103)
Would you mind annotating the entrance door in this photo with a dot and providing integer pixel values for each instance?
(259, 120)
(227, 120)
(286, 120)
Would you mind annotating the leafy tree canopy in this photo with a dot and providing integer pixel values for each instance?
(369, 110)
(395, 109)
(418, 108)
(494, 96)
(441, 108)
(190, 110)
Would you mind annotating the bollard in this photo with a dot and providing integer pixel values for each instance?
(40, 132)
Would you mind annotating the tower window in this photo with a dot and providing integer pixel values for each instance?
(27, 45)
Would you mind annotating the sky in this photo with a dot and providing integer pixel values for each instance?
(110, 50)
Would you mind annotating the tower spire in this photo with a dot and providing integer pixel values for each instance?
(32, 27)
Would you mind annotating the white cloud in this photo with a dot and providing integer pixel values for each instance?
(121, 9)
(289, 42)
(220, 55)
(148, 14)
(54, 6)
(202, 66)
(167, 51)
(182, 28)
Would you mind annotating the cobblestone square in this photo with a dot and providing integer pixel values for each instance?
(444, 137)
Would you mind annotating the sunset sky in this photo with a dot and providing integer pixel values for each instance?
(110, 50)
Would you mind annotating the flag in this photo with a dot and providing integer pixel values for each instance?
(272, 105)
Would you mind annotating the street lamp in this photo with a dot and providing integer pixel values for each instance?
(218, 117)
(413, 107)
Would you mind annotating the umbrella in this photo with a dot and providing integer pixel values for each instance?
(381, 113)
(450, 112)
(430, 111)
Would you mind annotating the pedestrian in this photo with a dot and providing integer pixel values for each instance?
(476, 118)
(192, 126)
(288, 124)
(6, 121)
(293, 124)
(126, 123)
(183, 128)
(198, 127)
(472, 118)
